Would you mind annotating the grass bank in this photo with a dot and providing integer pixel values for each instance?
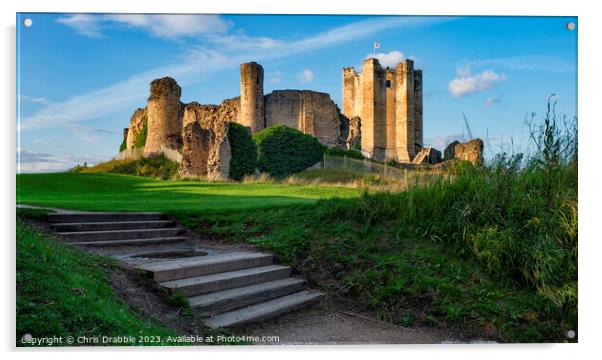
(62, 292)
(483, 251)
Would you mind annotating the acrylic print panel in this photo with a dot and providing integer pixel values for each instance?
(353, 179)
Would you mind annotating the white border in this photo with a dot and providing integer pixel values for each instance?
(589, 127)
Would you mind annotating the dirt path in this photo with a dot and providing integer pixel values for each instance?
(324, 323)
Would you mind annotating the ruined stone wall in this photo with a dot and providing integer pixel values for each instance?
(163, 113)
(136, 124)
(350, 78)
(405, 113)
(470, 151)
(390, 130)
(251, 96)
(206, 150)
(353, 138)
(308, 111)
(418, 126)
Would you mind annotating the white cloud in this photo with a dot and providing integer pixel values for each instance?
(32, 161)
(157, 25)
(274, 77)
(527, 62)
(493, 100)
(305, 76)
(83, 24)
(390, 59)
(34, 100)
(198, 61)
(466, 83)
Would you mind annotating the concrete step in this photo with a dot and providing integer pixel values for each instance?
(226, 280)
(132, 242)
(118, 234)
(221, 301)
(205, 265)
(112, 225)
(103, 217)
(264, 310)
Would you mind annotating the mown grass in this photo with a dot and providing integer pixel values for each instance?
(62, 292)
(114, 192)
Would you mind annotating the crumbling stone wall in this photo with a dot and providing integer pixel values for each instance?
(354, 133)
(311, 112)
(136, 124)
(163, 113)
(470, 151)
(450, 151)
(206, 150)
(251, 96)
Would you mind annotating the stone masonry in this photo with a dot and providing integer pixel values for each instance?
(382, 115)
(136, 124)
(389, 104)
(163, 113)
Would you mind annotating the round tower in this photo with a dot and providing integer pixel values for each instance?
(251, 96)
(163, 116)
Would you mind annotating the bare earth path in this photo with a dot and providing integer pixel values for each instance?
(324, 324)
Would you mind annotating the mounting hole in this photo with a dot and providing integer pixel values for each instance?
(27, 22)
(570, 26)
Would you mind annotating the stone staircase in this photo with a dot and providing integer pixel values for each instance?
(225, 289)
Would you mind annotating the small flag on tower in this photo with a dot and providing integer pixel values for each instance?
(376, 45)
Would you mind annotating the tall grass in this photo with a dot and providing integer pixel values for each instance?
(516, 215)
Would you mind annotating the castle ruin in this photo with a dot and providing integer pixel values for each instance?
(388, 103)
(382, 115)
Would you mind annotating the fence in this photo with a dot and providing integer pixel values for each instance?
(138, 153)
(364, 166)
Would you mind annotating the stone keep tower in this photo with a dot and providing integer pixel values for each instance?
(251, 97)
(163, 114)
(389, 105)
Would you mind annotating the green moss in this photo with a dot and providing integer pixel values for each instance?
(123, 145)
(140, 140)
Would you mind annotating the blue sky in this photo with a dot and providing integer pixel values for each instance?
(81, 76)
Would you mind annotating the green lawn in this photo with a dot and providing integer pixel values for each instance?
(113, 192)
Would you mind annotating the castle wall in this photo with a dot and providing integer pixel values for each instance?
(163, 113)
(418, 127)
(405, 114)
(206, 150)
(350, 88)
(308, 111)
(136, 125)
(389, 105)
(251, 96)
(391, 123)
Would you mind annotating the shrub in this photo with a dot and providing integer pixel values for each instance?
(158, 167)
(350, 153)
(141, 136)
(244, 152)
(283, 150)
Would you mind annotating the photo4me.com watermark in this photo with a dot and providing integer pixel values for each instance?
(29, 340)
